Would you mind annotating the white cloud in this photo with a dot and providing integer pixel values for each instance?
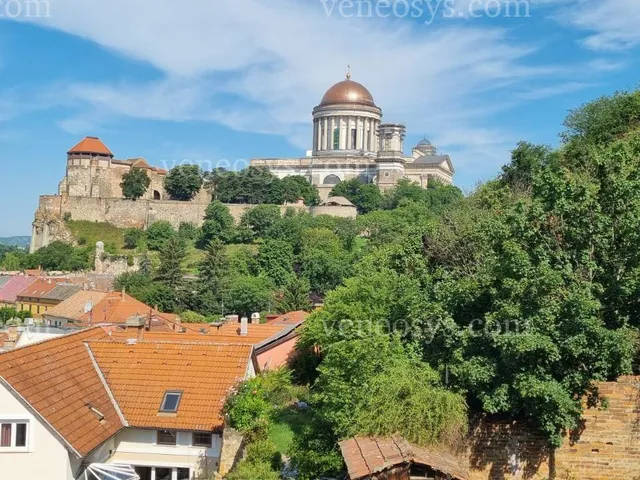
(261, 66)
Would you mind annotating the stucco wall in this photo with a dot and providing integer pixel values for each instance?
(277, 356)
(138, 447)
(46, 456)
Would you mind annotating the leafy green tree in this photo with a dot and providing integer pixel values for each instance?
(366, 197)
(526, 159)
(260, 219)
(7, 314)
(295, 295)
(212, 273)
(188, 231)
(12, 261)
(161, 296)
(323, 260)
(172, 256)
(134, 283)
(184, 182)
(275, 258)
(133, 237)
(158, 234)
(60, 256)
(135, 183)
(297, 187)
(218, 224)
(245, 295)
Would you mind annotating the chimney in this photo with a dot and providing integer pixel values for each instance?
(244, 326)
(140, 336)
(255, 318)
(123, 292)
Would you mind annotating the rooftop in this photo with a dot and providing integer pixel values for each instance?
(12, 287)
(91, 145)
(367, 456)
(140, 374)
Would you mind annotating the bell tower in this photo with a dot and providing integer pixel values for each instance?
(390, 157)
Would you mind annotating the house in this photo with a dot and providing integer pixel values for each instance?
(377, 458)
(86, 399)
(89, 307)
(273, 342)
(43, 294)
(10, 286)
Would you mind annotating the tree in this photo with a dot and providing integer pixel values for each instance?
(260, 219)
(61, 256)
(218, 224)
(275, 258)
(135, 183)
(172, 255)
(184, 182)
(295, 295)
(323, 260)
(526, 159)
(366, 197)
(212, 273)
(158, 233)
(245, 295)
(297, 187)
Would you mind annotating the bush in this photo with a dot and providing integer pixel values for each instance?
(158, 233)
(133, 237)
(188, 231)
(193, 317)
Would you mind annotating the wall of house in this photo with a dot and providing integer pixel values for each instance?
(44, 457)
(606, 447)
(277, 356)
(138, 447)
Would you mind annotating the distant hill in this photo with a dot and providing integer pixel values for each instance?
(15, 241)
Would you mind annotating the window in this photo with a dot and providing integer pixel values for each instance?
(336, 139)
(13, 435)
(170, 402)
(201, 439)
(354, 135)
(163, 473)
(166, 437)
(183, 474)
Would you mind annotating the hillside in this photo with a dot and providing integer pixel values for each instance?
(20, 241)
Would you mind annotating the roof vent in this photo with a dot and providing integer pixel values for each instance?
(99, 415)
(132, 341)
(255, 318)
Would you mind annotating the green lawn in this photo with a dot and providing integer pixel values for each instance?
(284, 425)
(89, 233)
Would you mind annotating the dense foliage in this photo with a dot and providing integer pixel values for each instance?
(257, 185)
(184, 182)
(135, 183)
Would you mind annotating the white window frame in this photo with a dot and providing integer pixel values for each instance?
(14, 420)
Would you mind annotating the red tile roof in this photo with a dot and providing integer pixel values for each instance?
(115, 307)
(59, 380)
(292, 318)
(41, 287)
(10, 290)
(91, 145)
(139, 375)
(367, 456)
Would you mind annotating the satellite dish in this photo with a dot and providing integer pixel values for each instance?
(88, 306)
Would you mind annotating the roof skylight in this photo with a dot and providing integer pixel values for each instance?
(170, 402)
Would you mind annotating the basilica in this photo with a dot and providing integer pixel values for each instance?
(351, 141)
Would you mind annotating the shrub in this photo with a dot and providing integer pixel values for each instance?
(133, 237)
(158, 233)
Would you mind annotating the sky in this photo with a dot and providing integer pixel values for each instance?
(222, 81)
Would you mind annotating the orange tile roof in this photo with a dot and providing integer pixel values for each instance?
(115, 307)
(74, 307)
(40, 287)
(140, 374)
(91, 145)
(226, 333)
(291, 318)
(59, 380)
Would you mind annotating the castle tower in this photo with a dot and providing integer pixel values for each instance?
(346, 121)
(390, 159)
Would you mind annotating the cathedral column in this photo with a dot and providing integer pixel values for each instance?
(332, 128)
(359, 128)
(343, 139)
(325, 127)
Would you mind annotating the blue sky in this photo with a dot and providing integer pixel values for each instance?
(227, 80)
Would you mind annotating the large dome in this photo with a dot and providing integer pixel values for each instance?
(348, 91)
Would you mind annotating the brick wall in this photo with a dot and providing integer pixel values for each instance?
(606, 446)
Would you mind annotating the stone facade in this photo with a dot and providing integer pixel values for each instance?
(606, 447)
(49, 226)
(350, 141)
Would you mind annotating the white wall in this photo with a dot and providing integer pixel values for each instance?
(138, 447)
(45, 457)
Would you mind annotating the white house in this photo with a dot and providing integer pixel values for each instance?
(87, 399)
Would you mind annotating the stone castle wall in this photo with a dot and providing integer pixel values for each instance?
(48, 225)
(606, 447)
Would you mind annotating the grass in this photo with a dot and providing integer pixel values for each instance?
(284, 425)
(89, 233)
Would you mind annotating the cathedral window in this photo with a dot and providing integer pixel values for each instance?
(354, 135)
(336, 139)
